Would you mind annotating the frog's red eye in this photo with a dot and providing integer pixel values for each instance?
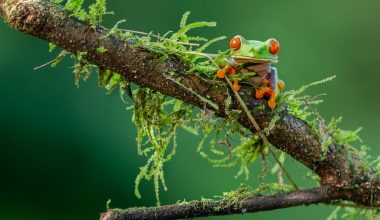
(274, 46)
(235, 43)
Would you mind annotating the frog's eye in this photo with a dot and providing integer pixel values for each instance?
(274, 46)
(235, 43)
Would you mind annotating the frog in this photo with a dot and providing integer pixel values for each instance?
(254, 58)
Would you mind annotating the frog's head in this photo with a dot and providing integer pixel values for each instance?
(252, 51)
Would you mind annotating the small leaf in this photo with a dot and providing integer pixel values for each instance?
(184, 19)
(101, 49)
(74, 5)
(51, 47)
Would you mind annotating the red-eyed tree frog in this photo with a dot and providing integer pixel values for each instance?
(253, 59)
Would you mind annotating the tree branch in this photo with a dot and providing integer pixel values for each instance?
(225, 207)
(340, 168)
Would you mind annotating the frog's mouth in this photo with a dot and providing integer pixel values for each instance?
(242, 60)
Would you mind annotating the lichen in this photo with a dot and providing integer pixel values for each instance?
(244, 191)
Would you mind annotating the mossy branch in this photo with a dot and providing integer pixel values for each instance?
(338, 167)
(225, 207)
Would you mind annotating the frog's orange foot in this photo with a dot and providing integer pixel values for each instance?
(281, 85)
(260, 92)
(221, 73)
(272, 103)
(236, 86)
(272, 100)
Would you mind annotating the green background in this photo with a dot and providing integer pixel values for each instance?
(65, 151)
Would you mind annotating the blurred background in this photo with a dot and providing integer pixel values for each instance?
(66, 151)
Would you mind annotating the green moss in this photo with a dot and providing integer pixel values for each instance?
(51, 47)
(243, 192)
(73, 5)
(96, 12)
(159, 128)
(101, 49)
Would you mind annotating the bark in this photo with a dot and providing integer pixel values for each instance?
(225, 207)
(339, 169)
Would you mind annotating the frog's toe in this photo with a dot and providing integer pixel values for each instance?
(272, 100)
(281, 85)
(236, 86)
(272, 103)
(221, 73)
(259, 93)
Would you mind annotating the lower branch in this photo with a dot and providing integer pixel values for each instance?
(227, 207)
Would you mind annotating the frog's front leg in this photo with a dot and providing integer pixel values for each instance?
(221, 73)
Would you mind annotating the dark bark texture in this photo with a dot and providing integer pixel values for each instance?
(224, 207)
(340, 170)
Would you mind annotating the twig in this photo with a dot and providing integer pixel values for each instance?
(43, 65)
(208, 56)
(60, 55)
(161, 38)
